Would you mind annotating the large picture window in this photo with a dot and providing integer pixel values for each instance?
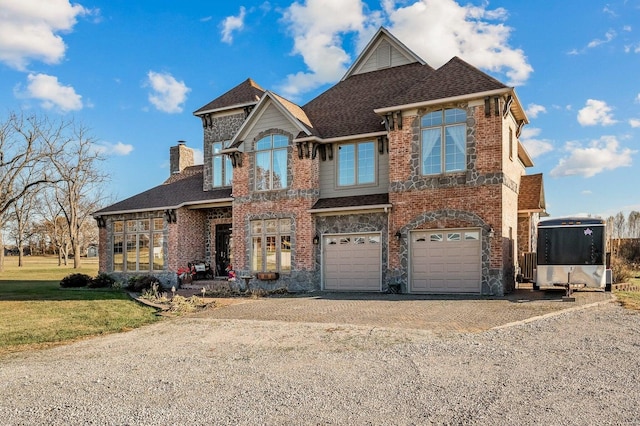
(221, 169)
(271, 163)
(444, 141)
(138, 245)
(271, 245)
(356, 164)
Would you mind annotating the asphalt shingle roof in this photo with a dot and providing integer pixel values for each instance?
(531, 196)
(455, 78)
(347, 108)
(353, 201)
(246, 92)
(184, 188)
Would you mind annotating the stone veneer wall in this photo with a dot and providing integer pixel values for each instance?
(218, 216)
(219, 129)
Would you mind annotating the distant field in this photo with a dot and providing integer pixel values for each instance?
(36, 313)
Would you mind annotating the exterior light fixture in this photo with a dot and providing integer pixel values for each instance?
(316, 240)
(399, 235)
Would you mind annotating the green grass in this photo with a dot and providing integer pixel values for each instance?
(36, 313)
(630, 299)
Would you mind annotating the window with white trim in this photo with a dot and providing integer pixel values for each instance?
(221, 169)
(356, 164)
(271, 163)
(271, 245)
(444, 141)
(138, 245)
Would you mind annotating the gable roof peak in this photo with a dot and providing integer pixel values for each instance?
(382, 35)
(246, 93)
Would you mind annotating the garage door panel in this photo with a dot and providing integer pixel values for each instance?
(445, 261)
(353, 263)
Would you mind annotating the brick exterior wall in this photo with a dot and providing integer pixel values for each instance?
(293, 202)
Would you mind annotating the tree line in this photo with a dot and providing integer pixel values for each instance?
(50, 183)
(623, 234)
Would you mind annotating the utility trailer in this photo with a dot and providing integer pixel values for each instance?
(572, 254)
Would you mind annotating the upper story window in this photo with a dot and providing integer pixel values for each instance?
(448, 125)
(356, 164)
(271, 163)
(221, 169)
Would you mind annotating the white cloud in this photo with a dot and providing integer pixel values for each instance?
(439, 30)
(317, 26)
(231, 24)
(29, 30)
(637, 98)
(167, 94)
(600, 155)
(634, 122)
(51, 94)
(609, 36)
(435, 30)
(118, 148)
(533, 110)
(595, 112)
(586, 192)
(535, 146)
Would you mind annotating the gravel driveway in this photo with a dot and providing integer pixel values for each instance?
(575, 367)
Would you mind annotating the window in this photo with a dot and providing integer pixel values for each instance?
(221, 169)
(271, 163)
(356, 164)
(138, 245)
(448, 125)
(271, 245)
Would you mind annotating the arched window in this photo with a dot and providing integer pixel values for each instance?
(271, 163)
(448, 125)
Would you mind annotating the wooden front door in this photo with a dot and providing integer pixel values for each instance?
(223, 249)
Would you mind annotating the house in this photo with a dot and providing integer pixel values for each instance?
(400, 177)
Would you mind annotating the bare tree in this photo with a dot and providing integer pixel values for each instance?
(633, 224)
(54, 225)
(79, 190)
(21, 215)
(24, 152)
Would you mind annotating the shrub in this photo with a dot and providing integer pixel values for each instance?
(620, 269)
(102, 280)
(75, 280)
(140, 283)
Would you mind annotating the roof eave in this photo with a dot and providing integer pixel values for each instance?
(341, 138)
(351, 209)
(494, 92)
(218, 202)
(221, 109)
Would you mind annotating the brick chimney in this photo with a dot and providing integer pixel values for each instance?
(180, 157)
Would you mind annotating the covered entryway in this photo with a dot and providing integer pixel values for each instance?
(351, 262)
(446, 261)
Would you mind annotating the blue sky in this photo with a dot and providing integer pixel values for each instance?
(134, 72)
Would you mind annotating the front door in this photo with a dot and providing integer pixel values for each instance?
(223, 249)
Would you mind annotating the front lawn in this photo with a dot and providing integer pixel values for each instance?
(36, 313)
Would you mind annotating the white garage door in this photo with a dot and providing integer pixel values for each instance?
(352, 262)
(446, 261)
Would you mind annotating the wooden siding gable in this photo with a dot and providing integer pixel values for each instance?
(383, 51)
